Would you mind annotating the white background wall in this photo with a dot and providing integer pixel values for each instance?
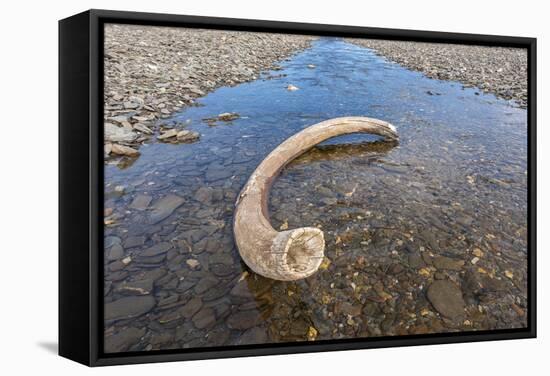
(28, 184)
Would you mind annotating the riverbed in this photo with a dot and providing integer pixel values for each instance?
(428, 235)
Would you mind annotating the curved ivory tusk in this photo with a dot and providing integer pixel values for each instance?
(292, 254)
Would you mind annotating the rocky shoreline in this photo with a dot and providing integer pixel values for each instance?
(497, 70)
(153, 72)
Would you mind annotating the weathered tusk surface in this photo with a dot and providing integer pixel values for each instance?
(298, 253)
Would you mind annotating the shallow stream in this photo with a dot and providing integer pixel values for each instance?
(446, 206)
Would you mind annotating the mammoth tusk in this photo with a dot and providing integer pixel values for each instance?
(292, 254)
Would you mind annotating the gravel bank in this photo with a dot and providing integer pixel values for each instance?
(152, 72)
(497, 70)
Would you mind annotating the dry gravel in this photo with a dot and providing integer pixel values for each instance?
(497, 70)
(152, 72)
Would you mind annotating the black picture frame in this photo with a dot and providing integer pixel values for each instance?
(81, 186)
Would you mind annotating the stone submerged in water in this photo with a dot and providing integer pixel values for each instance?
(116, 252)
(191, 307)
(204, 195)
(252, 336)
(140, 202)
(228, 116)
(446, 297)
(442, 262)
(157, 249)
(244, 320)
(139, 287)
(164, 207)
(123, 340)
(204, 318)
(128, 307)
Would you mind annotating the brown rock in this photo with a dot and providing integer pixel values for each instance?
(446, 297)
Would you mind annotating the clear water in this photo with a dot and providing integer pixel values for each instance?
(456, 181)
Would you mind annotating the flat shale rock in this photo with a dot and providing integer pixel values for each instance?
(204, 318)
(139, 287)
(134, 241)
(244, 320)
(124, 150)
(140, 202)
(129, 307)
(164, 207)
(123, 340)
(442, 262)
(157, 249)
(446, 297)
(206, 284)
(115, 253)
(204, 195)
(252, 336)
(191, 307)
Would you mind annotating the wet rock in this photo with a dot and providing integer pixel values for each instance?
(241, 290)
(151, 261)
(218, 337)
(215, 173)
(116, 266)
(493, 284)
(442, 262)
(157, 249)
(347, 308)
(159, 339)
(185, 285)
(299, 327)
(124, 150)
(395, 269)
(139, 287)
(134, 241)
(204, 318)
(205, 284)
(416, 261)
(190, 308)
(221, 258)
(140, 202)
(221, 270)
(253, 336)
(164, 207)
(187, 136)
(128, 307)
(446, 297)
(123, 340)
(216, 293)
(115, 253)
(204, 195)
(116, 276)
(109, 241)
(168, 134)
(226, 116)
(193, 263)
(169, 300)
(244, 320)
